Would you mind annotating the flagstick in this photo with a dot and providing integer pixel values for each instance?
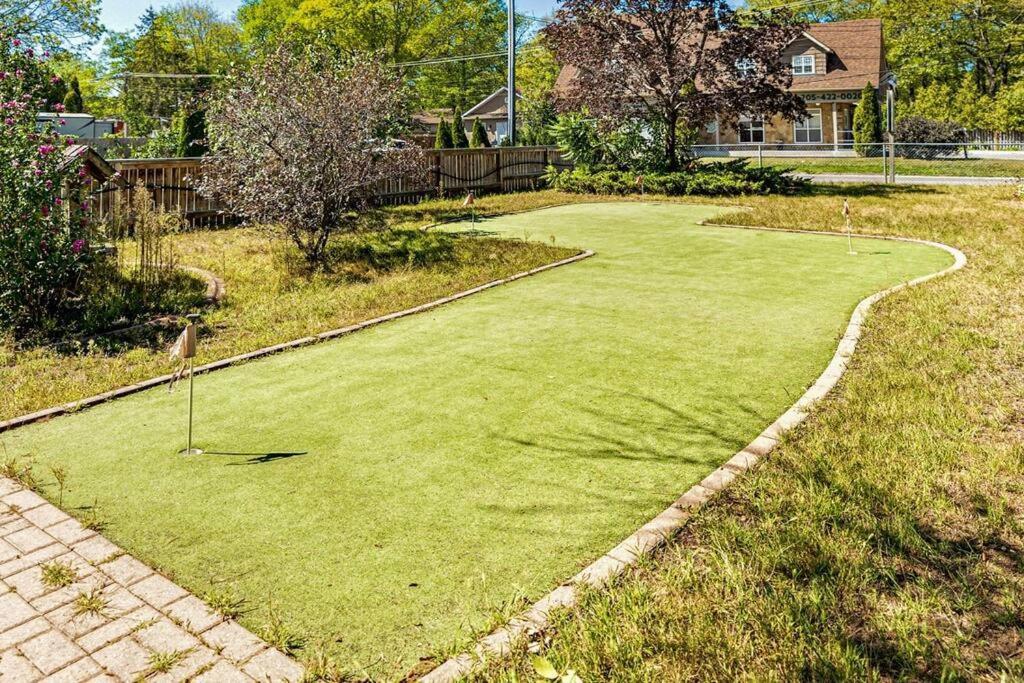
(191, 386)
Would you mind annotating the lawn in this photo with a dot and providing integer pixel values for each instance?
(883, 540)
(975, 168)
(267, 303)
(388, 494)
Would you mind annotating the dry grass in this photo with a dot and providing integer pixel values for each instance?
(266, 303)
(883, 539)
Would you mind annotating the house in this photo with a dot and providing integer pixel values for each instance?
(492, 112)
(831, 62)
(80, 125)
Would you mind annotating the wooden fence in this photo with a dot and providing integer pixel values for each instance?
(450, 172)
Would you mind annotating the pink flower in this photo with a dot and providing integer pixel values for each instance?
(78, 246)
(45, 149)
(8, 121)
(58, 107)
(57, 201)
(46, 211)
(16, 43)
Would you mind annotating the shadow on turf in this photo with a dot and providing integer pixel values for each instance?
(259, 458)
(644, 428)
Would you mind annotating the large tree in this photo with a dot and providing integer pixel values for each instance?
(939, 41)
(400, 31)
(675, 63)
(187, 38)
(52, 23)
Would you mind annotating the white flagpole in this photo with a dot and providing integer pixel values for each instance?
(849, 227)
(186, 348)
(191, 386)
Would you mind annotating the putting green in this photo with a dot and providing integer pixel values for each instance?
(389, 489)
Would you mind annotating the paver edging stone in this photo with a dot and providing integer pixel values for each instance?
(652, 536)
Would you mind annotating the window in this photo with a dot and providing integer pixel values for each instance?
(746, 67)
(808, 130)
(803, 65)
(751, 130)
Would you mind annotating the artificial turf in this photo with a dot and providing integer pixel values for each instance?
(387, 491)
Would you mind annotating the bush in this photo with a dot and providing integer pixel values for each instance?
(459, 139)
(927, 133)
(44, 232)
(713, 179)
(479, 138)
(443, 137)
(391, 249)
(867, 123)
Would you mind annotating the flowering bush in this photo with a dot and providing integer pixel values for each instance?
(44, 230)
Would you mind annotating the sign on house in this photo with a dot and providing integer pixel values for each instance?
(847, 96)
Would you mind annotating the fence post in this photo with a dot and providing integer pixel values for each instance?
(892, 155)
(885, 165)
(501, 165)
(437, 171)
(760, 157)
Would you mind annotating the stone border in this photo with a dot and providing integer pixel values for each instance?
(216, 285)
(651, 536)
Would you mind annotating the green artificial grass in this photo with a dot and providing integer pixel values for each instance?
(388, 493)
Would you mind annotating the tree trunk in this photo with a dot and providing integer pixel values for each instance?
(671, 141)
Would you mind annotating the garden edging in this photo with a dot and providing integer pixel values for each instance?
(215, 287)
(651, 536)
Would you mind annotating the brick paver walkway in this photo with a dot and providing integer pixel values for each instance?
(111, 618)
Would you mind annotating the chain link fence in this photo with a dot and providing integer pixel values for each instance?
(992, 162)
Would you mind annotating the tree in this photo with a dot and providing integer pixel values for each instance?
(459, 139)
(673, 63)
(1009, 108)
(52, 23)
(297, 142)
(867, 122)
(938, 41)
(188, 38)
(192, 134)
(443, 139)
(73, 103)
(536, 74)
(402, 31)
(971, 108)
(479, 137)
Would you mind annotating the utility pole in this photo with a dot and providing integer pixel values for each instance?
(510, 86)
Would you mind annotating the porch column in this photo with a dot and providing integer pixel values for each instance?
(835, 127)
(718, 132)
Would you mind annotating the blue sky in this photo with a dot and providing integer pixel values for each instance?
(121, 15)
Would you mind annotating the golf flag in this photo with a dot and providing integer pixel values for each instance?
(183, 350)
(849, 226)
